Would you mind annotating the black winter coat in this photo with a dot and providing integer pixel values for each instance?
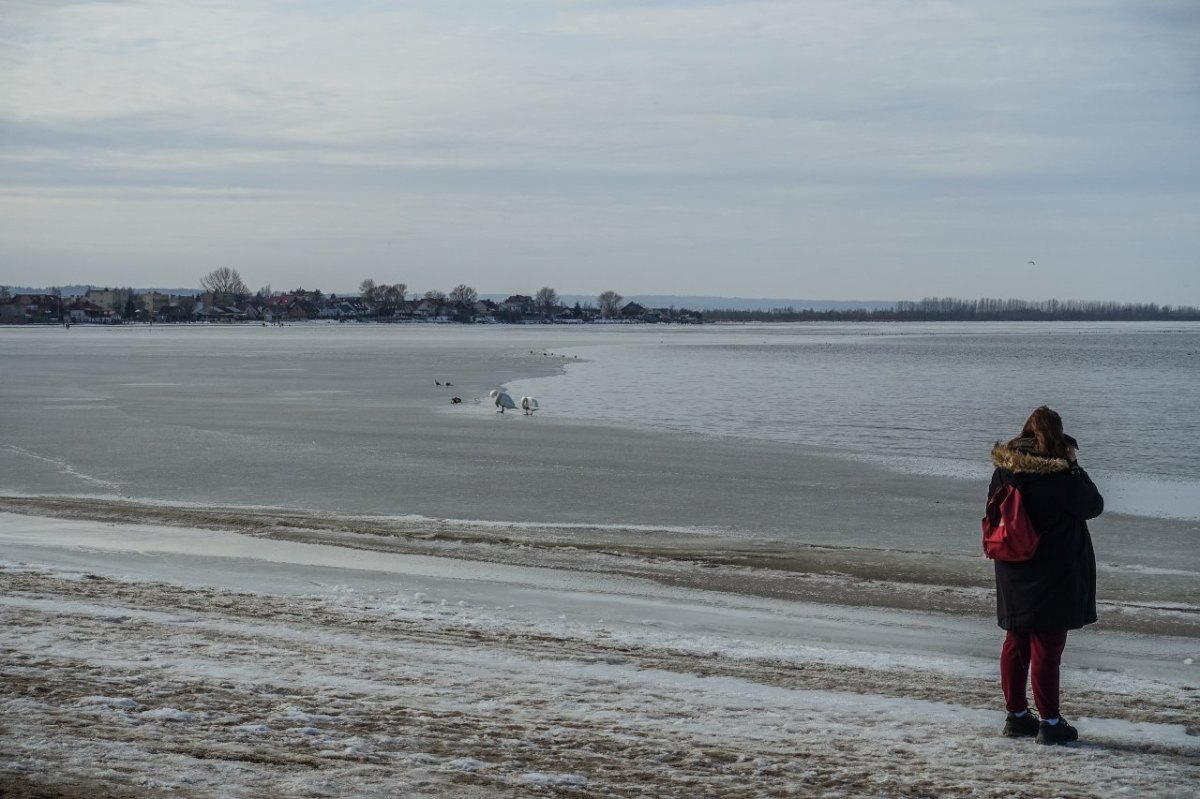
(1056, 589)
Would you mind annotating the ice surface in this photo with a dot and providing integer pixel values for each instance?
(348, 420)
(167, 714)
(911, 397)
(242, 664)
(617, 620)
(553, 780)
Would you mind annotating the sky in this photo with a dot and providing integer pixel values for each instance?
(827, 149)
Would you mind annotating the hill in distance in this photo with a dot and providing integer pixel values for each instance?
(79, 289)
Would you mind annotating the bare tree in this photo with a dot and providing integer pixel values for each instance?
(5, 296)
(434, 294)
(265, 292)
(610, 303)
(224, 281)
(545, 300)
(463, 293)
(367, 290)
(393, 294)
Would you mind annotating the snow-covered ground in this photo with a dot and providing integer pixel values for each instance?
(152, 661)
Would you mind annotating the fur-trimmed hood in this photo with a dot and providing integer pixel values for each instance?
(1017, 456)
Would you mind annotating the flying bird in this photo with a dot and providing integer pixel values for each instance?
(1032, 263)
(529, 405)
(501, 400)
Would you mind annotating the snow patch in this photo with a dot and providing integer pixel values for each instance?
(122, 702)
(546, 780)
(167, 714)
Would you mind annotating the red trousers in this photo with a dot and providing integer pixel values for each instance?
(1038, 654)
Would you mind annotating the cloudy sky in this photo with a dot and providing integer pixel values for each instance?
(818, 149)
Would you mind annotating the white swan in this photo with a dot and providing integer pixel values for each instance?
(529, 405)
(501, 400)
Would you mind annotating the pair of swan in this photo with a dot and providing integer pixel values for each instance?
(502, 401)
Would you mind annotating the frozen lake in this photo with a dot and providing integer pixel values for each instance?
(920, 398)
(259, 557)
(862, 435)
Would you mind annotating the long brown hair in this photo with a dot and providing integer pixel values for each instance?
(1045, 427)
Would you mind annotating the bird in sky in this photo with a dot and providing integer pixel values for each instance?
(1032, 263)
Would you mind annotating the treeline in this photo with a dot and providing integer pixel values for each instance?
(953, 309)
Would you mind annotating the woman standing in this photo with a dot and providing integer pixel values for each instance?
(1039, 600)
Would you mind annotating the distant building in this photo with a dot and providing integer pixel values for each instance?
(12, 313)
(344, 308)
(81, 311)
(518, 303)
(113, 300)
(633, 310)
(33, 309)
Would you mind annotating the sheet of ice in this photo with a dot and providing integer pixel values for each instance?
(562, 603)
(907, 396)
(346, 419)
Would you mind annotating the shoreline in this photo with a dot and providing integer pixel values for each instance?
(817, 319)
(144, 660)
(1160, 602)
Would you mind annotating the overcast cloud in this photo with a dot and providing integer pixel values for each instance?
(827, 149)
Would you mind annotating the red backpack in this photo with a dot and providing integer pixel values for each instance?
(1007, 532)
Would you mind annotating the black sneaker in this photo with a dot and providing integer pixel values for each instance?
(1021, 726)
(1059, 733)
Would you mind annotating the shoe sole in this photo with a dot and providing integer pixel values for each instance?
(1064, 741)
(1015, 734)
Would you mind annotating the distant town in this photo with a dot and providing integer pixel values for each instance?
(224, 298)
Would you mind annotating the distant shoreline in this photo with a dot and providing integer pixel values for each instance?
(390, 304)
(716, 319)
